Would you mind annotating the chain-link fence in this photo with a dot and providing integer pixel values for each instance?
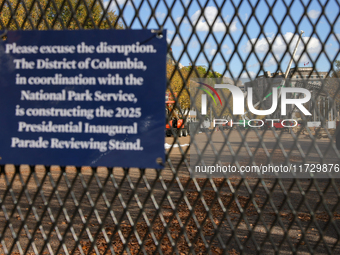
(252, 209)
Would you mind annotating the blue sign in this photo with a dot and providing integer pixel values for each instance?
(83, 98)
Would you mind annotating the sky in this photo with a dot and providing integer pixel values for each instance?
(244, 21)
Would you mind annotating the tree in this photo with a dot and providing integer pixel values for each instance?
(179, 84)
(201, 72)
(180, 80)
(336, 72)
(58, 14)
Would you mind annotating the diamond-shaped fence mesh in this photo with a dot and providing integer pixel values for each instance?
(246, 44)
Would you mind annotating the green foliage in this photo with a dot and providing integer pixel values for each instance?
(88, 14)
(178, 84)
(337, 64)
(201, 72)
(336, 72)
(210, 78)
(216, 110)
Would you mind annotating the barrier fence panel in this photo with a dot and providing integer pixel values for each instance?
(252, 165)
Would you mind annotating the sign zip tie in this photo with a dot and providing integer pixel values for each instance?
(159, 32)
